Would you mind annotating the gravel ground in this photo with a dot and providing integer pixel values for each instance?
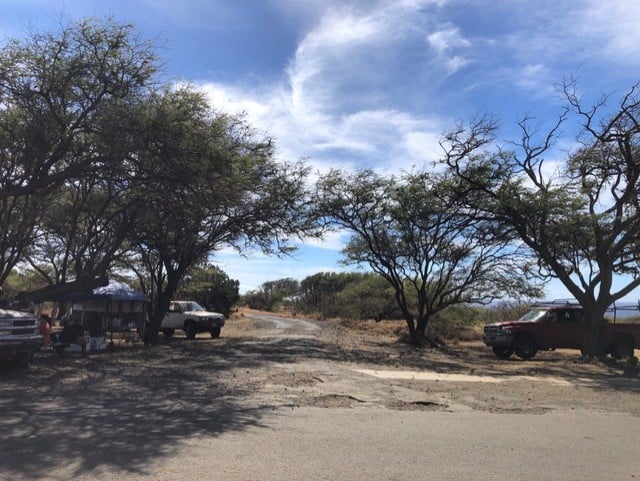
(118, 411)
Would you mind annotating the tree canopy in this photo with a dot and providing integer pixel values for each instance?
(62, 96)
(581, 217)
(211, 287)
(102, 167)
(419, 237)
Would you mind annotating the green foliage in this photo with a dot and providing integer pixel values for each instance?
(207, 180)
(416, 233)
(23, 280)
(211, 287)
(259, 300)
(319, 292)
(346, 295)
(62, 96)
(101, 167)
(369, 297)
(273, 295)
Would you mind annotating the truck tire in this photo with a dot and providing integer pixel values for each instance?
(215, 332)
(190, 329)
(23, 360)
(502, 352)
(168, 333)
(525, 347)
(621, 350)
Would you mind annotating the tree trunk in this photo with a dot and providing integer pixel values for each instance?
(155, 319)
(161, 307)
(422, 326)
(593, 324)
(412, 327)
(152, 328)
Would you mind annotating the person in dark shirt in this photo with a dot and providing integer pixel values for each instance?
(73, 333)
(95, 327)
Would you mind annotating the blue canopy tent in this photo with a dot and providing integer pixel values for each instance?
(115, 307)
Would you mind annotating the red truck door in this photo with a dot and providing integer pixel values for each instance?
(564, 328)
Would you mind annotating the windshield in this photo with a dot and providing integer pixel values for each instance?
(192, 306)
(533, 315)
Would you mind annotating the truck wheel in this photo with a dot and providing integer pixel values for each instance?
(621, 350)
(23, 360)
(168, 333)
(190, 330)
(215, 332)
(502, 352)
(525, 347)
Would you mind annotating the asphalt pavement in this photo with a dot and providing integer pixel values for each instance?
(372, 444)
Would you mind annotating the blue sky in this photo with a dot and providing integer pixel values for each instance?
(355, 83)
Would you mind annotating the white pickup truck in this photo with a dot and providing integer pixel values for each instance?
(19, 336)
(192, 318)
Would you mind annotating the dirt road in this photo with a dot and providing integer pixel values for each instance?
(277, 398)
(322, 365)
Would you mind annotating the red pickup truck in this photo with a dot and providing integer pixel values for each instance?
(553, 326)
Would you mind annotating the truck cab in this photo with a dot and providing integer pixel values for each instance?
(542, 327)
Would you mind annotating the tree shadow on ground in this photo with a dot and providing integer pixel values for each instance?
(125, 410)
(119, 411)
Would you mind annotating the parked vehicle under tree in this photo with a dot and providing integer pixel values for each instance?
(192, 318)
(555, 326)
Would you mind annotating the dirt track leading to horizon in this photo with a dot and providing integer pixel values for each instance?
(334, 366)
(123, 411)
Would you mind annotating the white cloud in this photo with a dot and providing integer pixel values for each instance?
(446, 43)
(339, 29)
(614, 27)
(535, 78)
(333, 241)
(564, 32)
(326, 108)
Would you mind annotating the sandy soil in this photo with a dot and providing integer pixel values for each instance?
(272, 361)
(128, 408)
(335, 366)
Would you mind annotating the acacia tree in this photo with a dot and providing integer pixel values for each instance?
(207, 181)
(319, 292)
(272, 294)
(60, 94)
(582, 221)
(211, 287)
(420, 239)
(81, 234)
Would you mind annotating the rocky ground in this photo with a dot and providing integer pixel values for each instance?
(325, 364)
(127, 408)
(282, 361)
(278, 361)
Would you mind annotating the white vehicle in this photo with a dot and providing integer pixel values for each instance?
(192, 318)
(19, 336)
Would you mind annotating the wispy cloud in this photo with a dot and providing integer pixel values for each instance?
(447, 44)
(333, 103)
(613, 27)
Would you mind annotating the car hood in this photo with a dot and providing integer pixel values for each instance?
(503, 324)
(12, 313)
(202, 314)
